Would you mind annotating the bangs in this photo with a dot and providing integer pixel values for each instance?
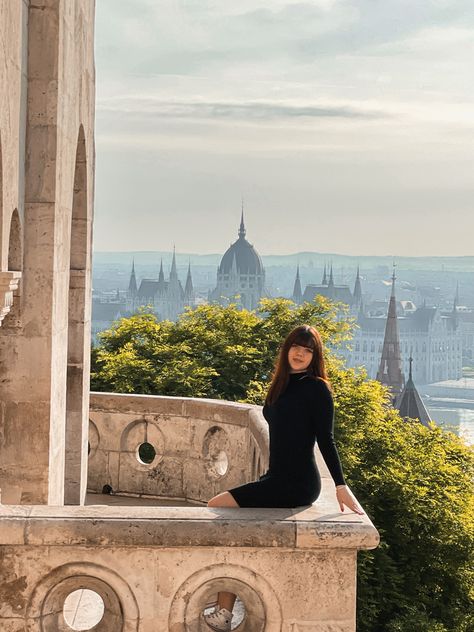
(304, 338)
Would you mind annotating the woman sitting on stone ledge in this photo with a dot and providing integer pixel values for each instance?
(299, 410)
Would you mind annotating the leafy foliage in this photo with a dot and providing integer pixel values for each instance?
(415, 483)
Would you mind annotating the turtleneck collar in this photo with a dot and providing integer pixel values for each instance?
(294, 377)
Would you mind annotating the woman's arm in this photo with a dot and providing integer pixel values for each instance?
(323, 412)
(324, 407)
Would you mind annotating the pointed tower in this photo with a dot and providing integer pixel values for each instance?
(410, 403)
(390, 368)
(297, 294)
(331, 278)
(325, 280)
(132, 285)
(242, 230)
(161, 275)
(189, 290)
(174, 271)
(357, 295)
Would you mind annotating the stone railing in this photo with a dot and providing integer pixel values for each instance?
(155, 569)
(171, 447)
(8, 285)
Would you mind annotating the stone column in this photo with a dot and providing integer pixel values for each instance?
(34, 356)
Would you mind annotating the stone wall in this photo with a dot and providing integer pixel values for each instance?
(156, 568)
(192, 448)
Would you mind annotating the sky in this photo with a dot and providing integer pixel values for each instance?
(345, 126)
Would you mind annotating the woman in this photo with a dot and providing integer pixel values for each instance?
(299, 410)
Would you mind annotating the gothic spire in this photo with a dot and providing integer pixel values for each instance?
(242, 230)
(390, 368)
(132, 285)
(174, 271)
(410, 403)
(189, 290)
(161, 276)
(357, 297)
(331, 278)
(324, 281)
(297, 294)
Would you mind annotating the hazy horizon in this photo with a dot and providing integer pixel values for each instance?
(344, 129)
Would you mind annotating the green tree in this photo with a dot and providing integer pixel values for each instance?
(415, 483)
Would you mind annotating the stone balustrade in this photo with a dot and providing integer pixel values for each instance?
(172, 447)
(156, 568)
(8, 286)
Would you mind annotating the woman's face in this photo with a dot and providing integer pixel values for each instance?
(299, 358)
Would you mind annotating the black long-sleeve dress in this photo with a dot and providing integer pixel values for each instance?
(302, 415)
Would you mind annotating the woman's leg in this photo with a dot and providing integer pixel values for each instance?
(224, 599)
(223, 500)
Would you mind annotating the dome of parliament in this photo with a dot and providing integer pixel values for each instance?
(247, 259)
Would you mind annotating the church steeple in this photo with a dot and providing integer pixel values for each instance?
(188, 289)
(242, 230)
(410, 403)
(324, 281)
(390, 368)
(297, 294)
(331, 278)
(174, 271)
(357, 297)
(132, 285)
(161, 275)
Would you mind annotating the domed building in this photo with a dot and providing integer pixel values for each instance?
(240, 274)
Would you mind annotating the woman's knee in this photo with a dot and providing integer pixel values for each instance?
(222, 500)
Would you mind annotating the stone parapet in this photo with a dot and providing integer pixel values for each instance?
(196, 447)
(8, 285)
(156, 568)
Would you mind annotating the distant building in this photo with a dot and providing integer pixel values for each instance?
(240, 274)
(167, 299)
(104, 314)
(327, 288)
(465, 321)
(434, 338)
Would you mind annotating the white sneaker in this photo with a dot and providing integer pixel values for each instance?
(219, 620)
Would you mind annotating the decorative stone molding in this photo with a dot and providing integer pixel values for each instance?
(8, 284)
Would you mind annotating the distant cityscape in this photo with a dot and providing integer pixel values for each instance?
(433, 304)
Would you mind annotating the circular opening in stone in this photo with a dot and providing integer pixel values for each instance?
(220, 464)
(83, 609)
(238, 612)
(146, 453)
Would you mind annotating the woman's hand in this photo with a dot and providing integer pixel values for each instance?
(345, 497)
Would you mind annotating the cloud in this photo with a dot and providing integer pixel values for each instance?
(261, 111)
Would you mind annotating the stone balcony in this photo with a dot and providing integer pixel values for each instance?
(8, 286)
(155, 568)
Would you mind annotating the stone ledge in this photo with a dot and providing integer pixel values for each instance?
(184, 526)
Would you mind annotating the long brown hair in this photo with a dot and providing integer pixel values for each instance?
(306, 336)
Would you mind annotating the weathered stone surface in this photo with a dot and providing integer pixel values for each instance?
(196, 457)
(46, 108)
